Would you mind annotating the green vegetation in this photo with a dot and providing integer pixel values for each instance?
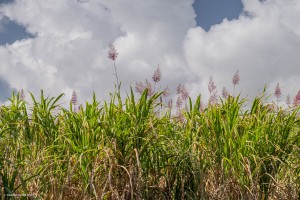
(134, 148)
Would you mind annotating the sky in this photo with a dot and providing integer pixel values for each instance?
(61, 45)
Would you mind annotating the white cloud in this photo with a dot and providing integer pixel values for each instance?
(263, 44)
(70, 48)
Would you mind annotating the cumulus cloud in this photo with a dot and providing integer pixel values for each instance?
(69, 50)
(263, 44)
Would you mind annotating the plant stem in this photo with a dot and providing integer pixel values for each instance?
(116, 74)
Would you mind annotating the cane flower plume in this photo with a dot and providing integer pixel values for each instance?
(211, 85)
(112, 52)
(22, 95)
(213, 99)
(157, 75)
(139, 87)
(236, 79)
(179, 102)
(182, 92)
(277, 92)
(225, 93)
(297, 99)
(166, 92)
(149, 86)
(74, 98)
(179, 89)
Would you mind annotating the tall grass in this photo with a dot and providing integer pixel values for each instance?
(134, 148)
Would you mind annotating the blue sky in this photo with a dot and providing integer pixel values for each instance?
(12, 31)
(64, 45)
(210, 12)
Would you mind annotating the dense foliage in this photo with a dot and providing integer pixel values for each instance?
(134, 148)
